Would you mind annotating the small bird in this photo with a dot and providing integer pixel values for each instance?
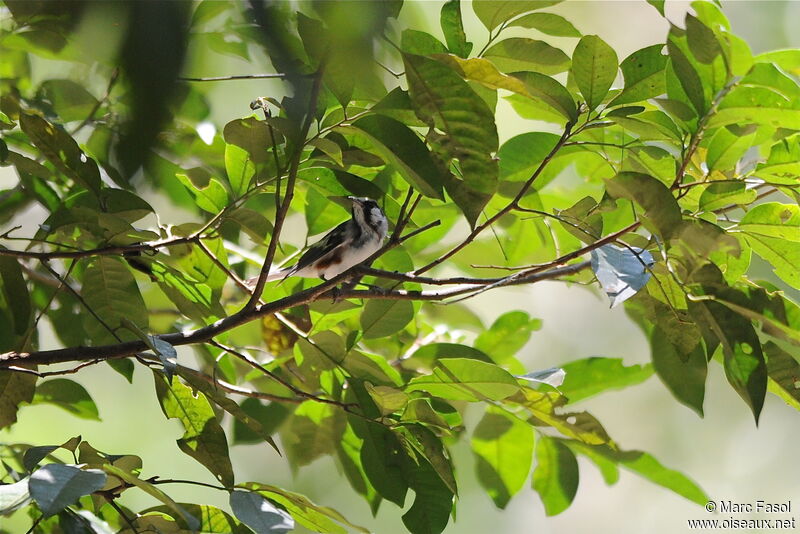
(347, 245)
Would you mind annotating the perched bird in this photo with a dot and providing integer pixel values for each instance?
(347, 245)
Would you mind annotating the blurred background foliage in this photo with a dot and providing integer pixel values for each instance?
(108, 72)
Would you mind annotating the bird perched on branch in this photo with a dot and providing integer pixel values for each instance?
(347, 245)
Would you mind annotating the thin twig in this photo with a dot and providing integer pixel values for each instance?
(119, 510)
(156, 481)
(280, 216)
(232, 77)
(697, 136)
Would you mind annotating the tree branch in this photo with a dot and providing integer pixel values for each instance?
(280, 216)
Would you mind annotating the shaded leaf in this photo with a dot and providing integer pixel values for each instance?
(453, 29)
(382, 318)
(15, 388)
(203, 438)
(444, 101)
(503, 450)
(68, 395)
(110, 290)
(555, 477)
(661, 209)
(683, 372)
(56, 486)
(259, 514)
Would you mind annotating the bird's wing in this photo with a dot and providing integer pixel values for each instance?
(334, 239)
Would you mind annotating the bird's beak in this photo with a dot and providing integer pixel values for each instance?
(355, 200)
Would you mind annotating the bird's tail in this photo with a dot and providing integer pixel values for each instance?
(274, 275)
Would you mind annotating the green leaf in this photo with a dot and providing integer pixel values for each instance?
(727, 148)
(211, 520)
(421, 43)
(555, 477)
(110, 291)
(788, 60)
(594, 375)
(381, 456)
(312, 516)
(453, 29)
(429, 354)
(744, 362)
(403, 149)
(203, 438)
(463, 379)
(702, 42)
(492, 13)
(643, 72)
(688, 77)
(661, 209)
(503, 448)
(254, 136)
(594, 67)
(259, 514)
(683, 372)
(420, 411)
(382, 318)
(758, 105)
(522, 154)
(507, 335)
(647, 466)
(14, 292)
(270, 417)
(56, 486)
(433, 501)
(70, 100)
(239, 167)
(211, 197)
(312, 431)
(659, 5)
(218, 397)
(62, 151)
(773, 230)
(330, 148)
(550, 92)
(721, 195)
(68, 395)
(151, 490)
(444, 101)
(15, 387)
(524, 54)
(784, 374)
(772, 219)
(428, 446)
(548, 23)
(387, 399)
